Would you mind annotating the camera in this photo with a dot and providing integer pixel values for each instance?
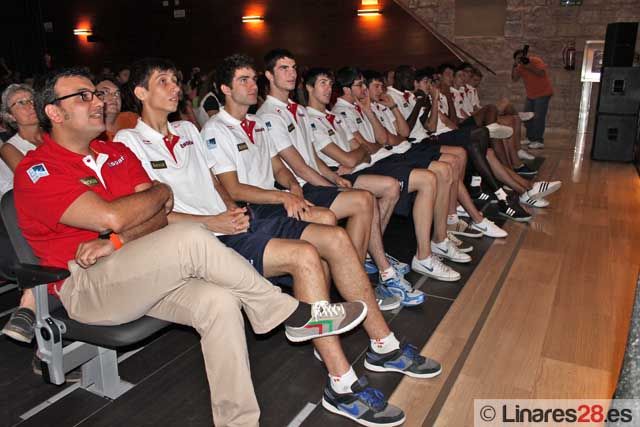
(524, 58)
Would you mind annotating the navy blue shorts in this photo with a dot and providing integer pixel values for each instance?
(320, 196)
(421, 155)
(395, 167)
(251, 245)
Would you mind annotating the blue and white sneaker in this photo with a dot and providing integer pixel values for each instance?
(370, 267)
(400, 287)
(386, 299)
(405, 360)
(400, 267)
(365, 405)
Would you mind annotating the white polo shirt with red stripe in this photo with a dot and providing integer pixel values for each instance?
(289, 126)
(180, 161)
(355, 119)
(406, 101)
(243, 146)
(388, 120)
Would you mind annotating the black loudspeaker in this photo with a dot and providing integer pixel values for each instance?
(620, 44)
(615, 137)
(619, 90)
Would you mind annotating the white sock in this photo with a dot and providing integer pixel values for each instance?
(476, 181)
(342, 384)
(500, 194)
(452, 219)
(386, 344)
(388, 274)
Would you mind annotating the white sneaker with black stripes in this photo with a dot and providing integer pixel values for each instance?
(542, 189)
(526, 199)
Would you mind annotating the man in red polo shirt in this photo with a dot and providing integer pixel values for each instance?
(537, 83)
(89, 206)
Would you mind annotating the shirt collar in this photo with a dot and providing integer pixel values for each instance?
(228, 118)
(152, 134)
(49, 143)
(276, 101)
(313, 112)
(344, 102)
(394, 90)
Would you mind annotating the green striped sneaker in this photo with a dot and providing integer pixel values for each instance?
(328, 319)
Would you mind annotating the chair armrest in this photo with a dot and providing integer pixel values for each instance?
(32, 275)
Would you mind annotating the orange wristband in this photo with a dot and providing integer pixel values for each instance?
(115, 240)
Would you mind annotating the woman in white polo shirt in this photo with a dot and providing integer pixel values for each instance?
(19, 112)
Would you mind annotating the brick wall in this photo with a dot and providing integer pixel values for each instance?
(547, 27)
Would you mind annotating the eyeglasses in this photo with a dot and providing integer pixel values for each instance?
(114, 94)
(86, 95)
(22, 102)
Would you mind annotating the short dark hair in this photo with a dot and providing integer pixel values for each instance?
(142, 69)
(404, 73)
(46, 94)
(476, 72)
(312, 75)
(371, 75)
(443, 67)
(465, 65)
(426, 72)
(345, 76)
(272, 57)
(227, 68)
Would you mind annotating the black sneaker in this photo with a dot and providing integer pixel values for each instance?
(525, 170)
(21, 325)
(405, 360)
(513, 211)
(364, 405)
(480, 197)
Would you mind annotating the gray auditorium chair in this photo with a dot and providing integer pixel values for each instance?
(64, 344)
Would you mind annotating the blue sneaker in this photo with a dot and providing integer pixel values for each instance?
(400, 267)
(403, 289)
(386, 299)
(364, 405)
(370, 267)
(405, 360)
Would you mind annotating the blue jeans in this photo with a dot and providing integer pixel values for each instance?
(535, 127)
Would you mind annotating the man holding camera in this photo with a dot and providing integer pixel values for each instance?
(536, 80)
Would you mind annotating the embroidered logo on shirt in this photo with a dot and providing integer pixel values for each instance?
(186, 143)
(405, 104)
(291, 128)
(358, 120)
(313, 126)
(258, 130)
(158, 164)
(89, 181)
(116, 162)
(268, 125)
(331, 132)
(211, 143)
(242, 146)
(344, 113)
(36, 172)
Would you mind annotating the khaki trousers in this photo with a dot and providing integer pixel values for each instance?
(184, 274)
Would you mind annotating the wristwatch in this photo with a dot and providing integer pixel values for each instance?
(105, 235)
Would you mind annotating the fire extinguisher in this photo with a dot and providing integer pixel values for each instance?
(569, 56)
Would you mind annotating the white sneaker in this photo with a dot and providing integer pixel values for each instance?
(526, 199)
(446, 249)
(525, 155)
(542, 189)
(460, 211)
(462, 228)
(525, 142)
(497, 131)
(536, 145)
(489, 229)
(462, 246)
(433, 267)
(526, 115)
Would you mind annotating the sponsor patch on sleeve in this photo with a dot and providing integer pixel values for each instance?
(211, 143)
(36, 172)
(291, 127)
